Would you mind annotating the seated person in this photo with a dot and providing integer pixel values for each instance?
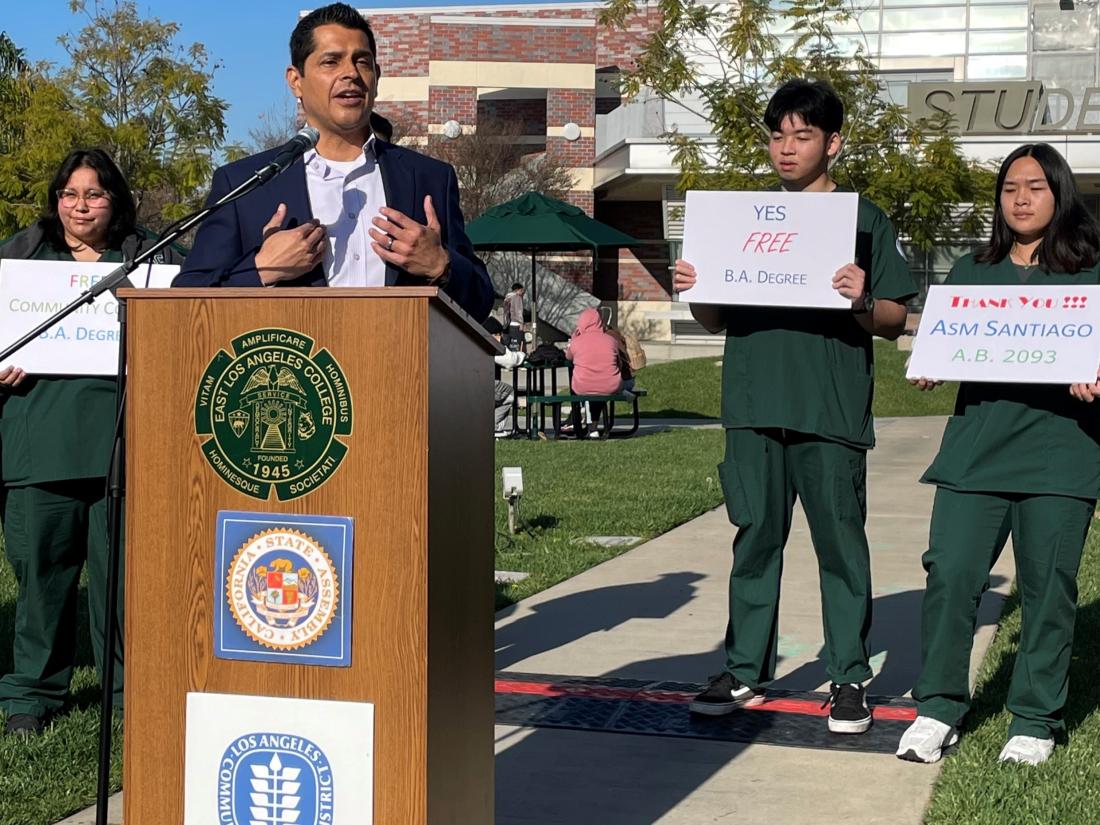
(503, 394)
(595, 357)
(624, 351)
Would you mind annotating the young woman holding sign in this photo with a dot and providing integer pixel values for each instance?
(1015, 458)
(55, 442)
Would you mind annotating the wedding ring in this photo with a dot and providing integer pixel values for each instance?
(389, 246)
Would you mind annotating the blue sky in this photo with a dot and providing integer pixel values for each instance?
(248, 37)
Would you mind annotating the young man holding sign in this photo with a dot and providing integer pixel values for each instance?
(796, 406)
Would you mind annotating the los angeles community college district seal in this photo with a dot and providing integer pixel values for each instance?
(274, 409)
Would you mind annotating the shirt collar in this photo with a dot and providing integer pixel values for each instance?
(320, 166)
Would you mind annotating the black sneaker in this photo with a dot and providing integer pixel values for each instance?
(725, 695)
(848, 711)
(23, 724)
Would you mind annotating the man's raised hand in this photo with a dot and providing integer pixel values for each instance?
(289, 253)
(414, 247)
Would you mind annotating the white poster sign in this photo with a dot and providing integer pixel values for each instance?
(1018, 334)
(85, 343)
(769, 248)
(257, 760)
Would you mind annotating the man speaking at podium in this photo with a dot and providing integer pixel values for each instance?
(355, 211)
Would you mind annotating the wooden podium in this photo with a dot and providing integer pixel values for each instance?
(417, 478)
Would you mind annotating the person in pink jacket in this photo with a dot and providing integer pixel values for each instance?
(595, 357)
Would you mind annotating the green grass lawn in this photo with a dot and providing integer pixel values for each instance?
(974, 789)
(573, 489)
(691, 388)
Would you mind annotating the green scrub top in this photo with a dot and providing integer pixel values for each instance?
(1019, 438)
(812, 370)
(56, 428)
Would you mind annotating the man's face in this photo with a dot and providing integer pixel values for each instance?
(800, 152)
(339, 83)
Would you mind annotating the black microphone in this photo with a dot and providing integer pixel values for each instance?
(293, 149)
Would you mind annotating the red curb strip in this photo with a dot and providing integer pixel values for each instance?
(804, 707)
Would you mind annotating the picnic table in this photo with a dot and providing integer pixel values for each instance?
(604, 415)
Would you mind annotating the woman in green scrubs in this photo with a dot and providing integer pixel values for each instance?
(1019, 458)
(55, 444)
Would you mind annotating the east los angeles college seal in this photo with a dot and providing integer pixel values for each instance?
(275, 410)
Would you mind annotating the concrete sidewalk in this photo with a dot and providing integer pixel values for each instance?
(659, 612)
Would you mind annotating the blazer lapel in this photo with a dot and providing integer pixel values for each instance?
(294, 192)
(399, 184)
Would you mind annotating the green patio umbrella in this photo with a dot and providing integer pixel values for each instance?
(534, 223)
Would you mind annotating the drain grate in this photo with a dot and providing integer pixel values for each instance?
(615, 705)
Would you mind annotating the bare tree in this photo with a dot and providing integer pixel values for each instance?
(275, 126)
(493, 166)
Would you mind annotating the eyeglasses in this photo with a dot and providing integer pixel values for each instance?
(94, 198)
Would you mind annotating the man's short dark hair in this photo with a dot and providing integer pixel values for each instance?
(816, 103)
(517, 285)
(339, 14)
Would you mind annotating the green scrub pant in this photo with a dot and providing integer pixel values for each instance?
(763, 473)
(49, 532)
(966, 536)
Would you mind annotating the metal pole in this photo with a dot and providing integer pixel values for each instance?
(534, 303)
(115, 493)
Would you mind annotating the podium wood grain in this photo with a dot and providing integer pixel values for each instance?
(418, 480)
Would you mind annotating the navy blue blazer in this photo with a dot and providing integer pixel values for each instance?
(224, 252)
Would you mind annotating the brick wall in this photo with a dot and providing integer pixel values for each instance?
(565, 105)
(493, 43)
(638, 273)
(528, 114)
(400, 39)
(409, 119)
(617, 47)
(582, 198)
(453, 103)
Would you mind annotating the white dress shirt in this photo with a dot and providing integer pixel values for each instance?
(345, 196)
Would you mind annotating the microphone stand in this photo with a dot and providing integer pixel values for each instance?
(116, 473)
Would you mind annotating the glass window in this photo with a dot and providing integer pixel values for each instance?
(952, 17)
(849, 43)
(864, 21)
(1057, 30)
(781, 23)
(1002, 65)
(926, 44)
(999, 17)
(997, 42)
(1074, 72)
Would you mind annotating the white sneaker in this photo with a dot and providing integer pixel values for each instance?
(1027, 750)
(925, 740)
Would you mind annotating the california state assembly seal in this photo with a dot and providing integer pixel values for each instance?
(283, 589)
(275, 410)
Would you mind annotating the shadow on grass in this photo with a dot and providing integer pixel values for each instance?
(541, 522)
